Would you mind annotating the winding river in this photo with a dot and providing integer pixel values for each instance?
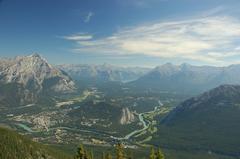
(145, 124)
(145, 127)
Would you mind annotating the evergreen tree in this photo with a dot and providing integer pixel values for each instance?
(86, 155)
(119, 151)
(109, 156)
(160, 155)
(152, 154)
(80, 153)
(91, 155)
(130, 155)
(103, 156)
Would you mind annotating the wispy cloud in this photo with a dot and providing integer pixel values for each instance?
(214, 11)
(212, 40)
(88, 17)
(78, 37)
(139, 3)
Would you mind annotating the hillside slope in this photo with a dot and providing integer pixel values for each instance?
(209, 122)
(15, 146)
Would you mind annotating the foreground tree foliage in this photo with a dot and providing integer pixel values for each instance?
(109, 156)
(120, 153)
(160, 154)
(15, 146)
(152, 154)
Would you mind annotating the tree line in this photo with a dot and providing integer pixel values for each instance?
(82, 153)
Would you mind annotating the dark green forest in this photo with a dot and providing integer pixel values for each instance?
(16, 146)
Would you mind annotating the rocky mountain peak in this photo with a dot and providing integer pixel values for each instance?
(36, 55)
(34, 73)
(166, 69)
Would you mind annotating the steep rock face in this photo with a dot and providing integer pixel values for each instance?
(33, 76)
(13, 94)
(127, 116)
(33, 72)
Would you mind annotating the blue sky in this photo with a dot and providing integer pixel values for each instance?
(122, 32)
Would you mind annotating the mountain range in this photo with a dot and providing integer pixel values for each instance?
(103, 73)
(187, 78)
(208, 122)
(32, 76)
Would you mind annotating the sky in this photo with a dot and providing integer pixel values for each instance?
(142, 33)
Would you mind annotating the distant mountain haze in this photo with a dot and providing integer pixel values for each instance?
(187, 78)
(32, 75)
(103, 73)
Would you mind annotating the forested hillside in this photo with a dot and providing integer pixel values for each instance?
(15, 146)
